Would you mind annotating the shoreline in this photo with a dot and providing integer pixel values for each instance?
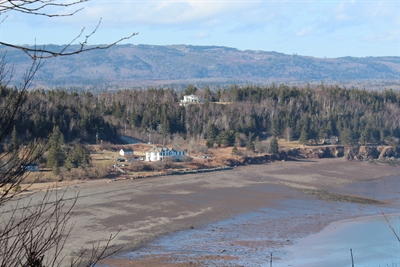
(148, 210)
(148, 255)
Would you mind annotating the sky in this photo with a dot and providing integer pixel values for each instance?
(311, 28)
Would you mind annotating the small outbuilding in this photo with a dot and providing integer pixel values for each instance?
(126, 152)
(31, 167)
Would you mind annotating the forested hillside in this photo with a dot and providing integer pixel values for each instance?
(135, 66)
(226, 117)
(76, 115)
(355, 116)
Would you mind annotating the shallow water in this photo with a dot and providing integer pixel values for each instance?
(250, 238)
(372, 242)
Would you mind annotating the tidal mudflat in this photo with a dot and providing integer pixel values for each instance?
(240, 217)
(228, 218)
(249, 239)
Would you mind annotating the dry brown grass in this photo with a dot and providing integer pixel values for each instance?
(94, 172)
(282, 143)
(140, 149)
(222, 103)
(104, 158)
(109, 157)
(44, 176)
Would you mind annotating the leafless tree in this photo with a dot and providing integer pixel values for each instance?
(177, 141)
(262, 146)
(288, 134)
(12, 161)
(34, 234)
(41, 8)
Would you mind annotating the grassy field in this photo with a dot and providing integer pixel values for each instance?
(103, 160)
(282, 143)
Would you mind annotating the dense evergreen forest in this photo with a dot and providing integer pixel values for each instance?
(227, 117)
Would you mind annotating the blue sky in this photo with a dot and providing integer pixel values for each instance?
(312, 28)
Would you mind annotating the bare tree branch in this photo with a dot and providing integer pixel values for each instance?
(34, 234)
(12, 171)
(38, 7)
(42, 53)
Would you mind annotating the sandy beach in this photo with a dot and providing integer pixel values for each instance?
(217, 216)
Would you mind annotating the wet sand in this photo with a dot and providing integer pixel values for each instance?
(217, 216)
(271, 197)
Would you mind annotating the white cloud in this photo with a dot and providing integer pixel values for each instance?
(211, 23)
(305, 31)
(380, 9)
(231, 22)
(166, 12)
(385, 36)
(201, 35)
(342, 17)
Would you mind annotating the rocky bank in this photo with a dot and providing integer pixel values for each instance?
(356, 153)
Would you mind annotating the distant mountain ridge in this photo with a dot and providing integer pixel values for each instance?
(149, 65)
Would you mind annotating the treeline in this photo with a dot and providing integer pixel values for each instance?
(234, 115)
(227, 117)
(77, 115)
(52, 125)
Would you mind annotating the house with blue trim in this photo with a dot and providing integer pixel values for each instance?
(157, 153)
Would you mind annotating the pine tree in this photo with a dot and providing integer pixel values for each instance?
(190, 90)
(322, 133)
(276, 126)
(347, 137)
(77, 157)
(273, 146)
(235, 150)
(365, 136)
(14, 148)
(38, 149)
(382, 135)
(14, 140)
(81, 156)
(55, 168)
(218, 95)
(211, 135)
(329, 128)
(69, 162)
(250, 143)
(303, 136)
(208, 94)
(56, 155)
(165, 128)
(223, 139)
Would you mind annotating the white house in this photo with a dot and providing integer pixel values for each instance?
(126, 152)
(188, 99)
(157, 153)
